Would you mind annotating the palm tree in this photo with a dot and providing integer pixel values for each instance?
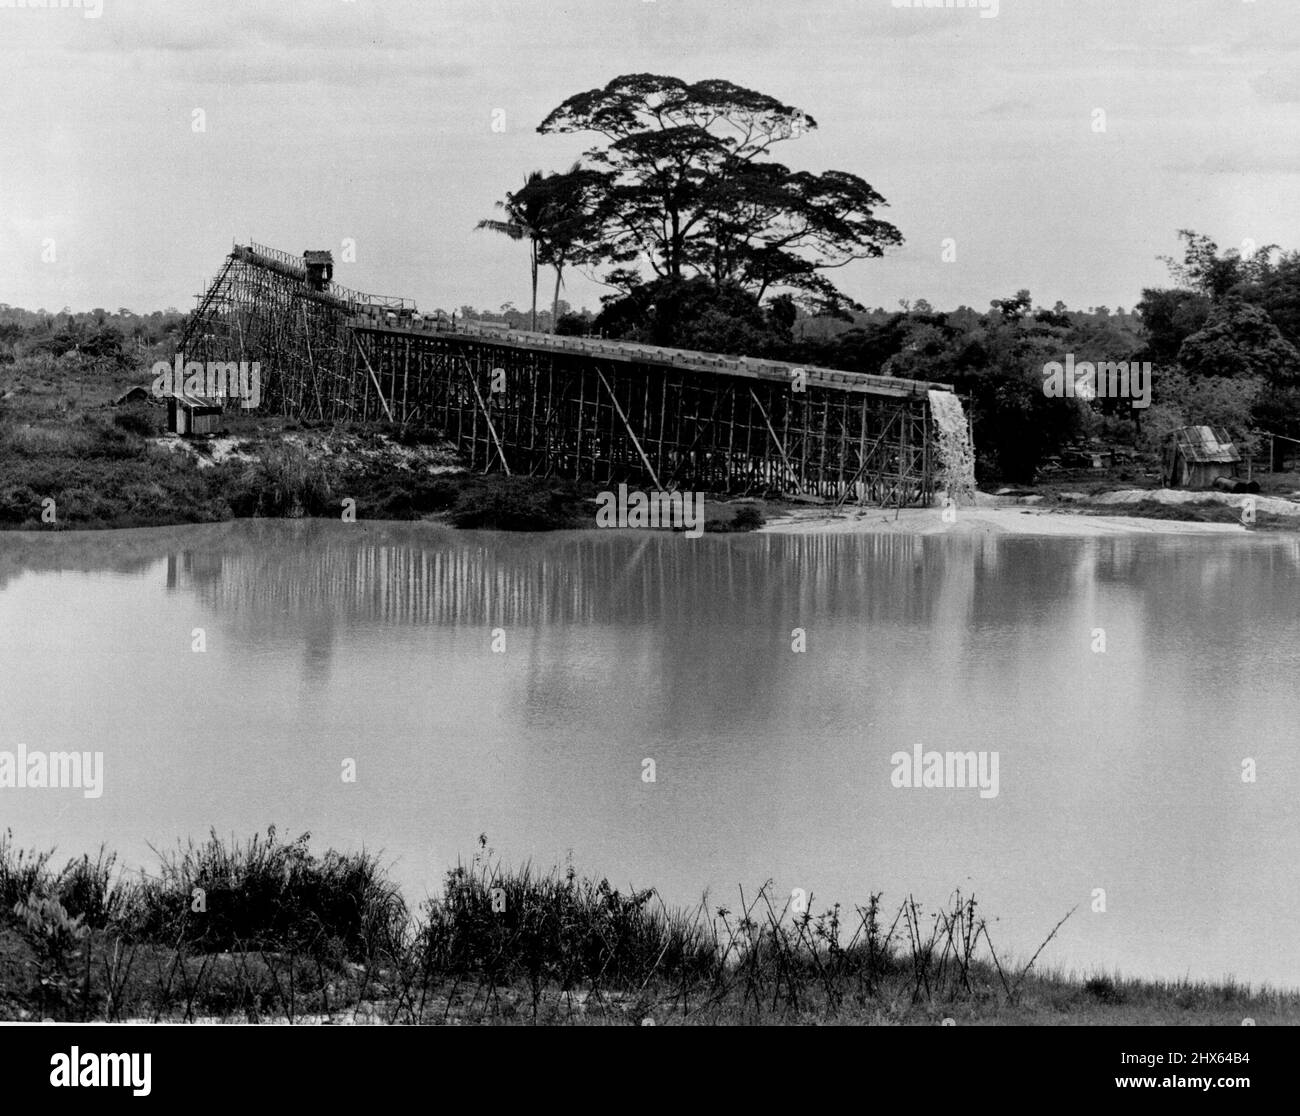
(568, 224)
(525, 211)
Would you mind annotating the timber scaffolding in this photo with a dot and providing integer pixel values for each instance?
(539, 404)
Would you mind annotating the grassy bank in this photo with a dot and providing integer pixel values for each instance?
(1198, 511)
(111, 468)
(70, 459)
(261, 930)
(115, 468)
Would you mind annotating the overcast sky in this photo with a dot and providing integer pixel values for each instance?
(372, 120)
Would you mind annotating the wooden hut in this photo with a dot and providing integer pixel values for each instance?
(1197, 456)
(320, 269)
(193, 414)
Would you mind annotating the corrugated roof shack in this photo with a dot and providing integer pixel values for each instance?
(193, 414)
(1197, 456)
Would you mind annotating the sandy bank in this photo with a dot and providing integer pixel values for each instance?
(987, 521)
(1011, 515)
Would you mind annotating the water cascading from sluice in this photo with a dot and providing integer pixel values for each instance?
(956, 474)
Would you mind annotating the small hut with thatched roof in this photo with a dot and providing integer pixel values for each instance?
(1197, 456)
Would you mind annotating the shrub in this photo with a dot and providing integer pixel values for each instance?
(503, 511)
(112, 441)
(747, 517)
(1104, 990)
(399, 495)
(54, 936)
(140, 421)
(285, 482)
(265, 894)
(87, 889)
(19, 504)
(518, 924)
(22, 874)
(516, 506)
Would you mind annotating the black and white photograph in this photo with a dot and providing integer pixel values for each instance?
(649, 513)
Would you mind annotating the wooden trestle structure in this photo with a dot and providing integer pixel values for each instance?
(529, 403)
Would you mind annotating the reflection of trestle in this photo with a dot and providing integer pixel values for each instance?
(401, 578)
(266, 575)
(536, 404)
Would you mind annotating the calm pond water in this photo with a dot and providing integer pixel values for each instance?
(326, 642)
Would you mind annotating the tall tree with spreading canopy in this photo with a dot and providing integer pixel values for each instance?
(684, 185)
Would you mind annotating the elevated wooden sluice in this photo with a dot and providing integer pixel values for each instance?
(584, 408)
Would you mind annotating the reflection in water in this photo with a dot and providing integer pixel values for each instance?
(1119, 770)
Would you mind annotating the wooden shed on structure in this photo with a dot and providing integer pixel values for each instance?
(1197, 456)
(193, 414)
(320, 269)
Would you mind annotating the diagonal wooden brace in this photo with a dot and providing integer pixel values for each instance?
(777, 441)
(630, 432)
(469, 375)
(373, 378)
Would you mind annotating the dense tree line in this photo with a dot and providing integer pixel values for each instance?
(708, 243)
(117, 339)
(1225, 339)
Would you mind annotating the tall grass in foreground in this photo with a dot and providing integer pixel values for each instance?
(255, 929)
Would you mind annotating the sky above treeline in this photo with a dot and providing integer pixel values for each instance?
(372, 121)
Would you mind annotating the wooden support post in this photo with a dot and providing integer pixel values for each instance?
(821, 462)
(777, 441)
(406, 376)
(373, 377)
(311, 363)
(487, 417)
(582, 400)
(473, 426)
(631, 433)
(663, 414)
(534, 380)
(731, 439)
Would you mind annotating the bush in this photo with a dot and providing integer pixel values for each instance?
(747, 517)
(503, 511)
(19, 504)
(273, 896)
(1160, 420)
(397, 495)
(285, 482)
(521, 925)
(89, 892)
(22, 874)
(112, 441)
(54, 937)
(516, 505)
(138, 420)
(1104, 990)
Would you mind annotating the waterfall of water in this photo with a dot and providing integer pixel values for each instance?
(956, 454)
